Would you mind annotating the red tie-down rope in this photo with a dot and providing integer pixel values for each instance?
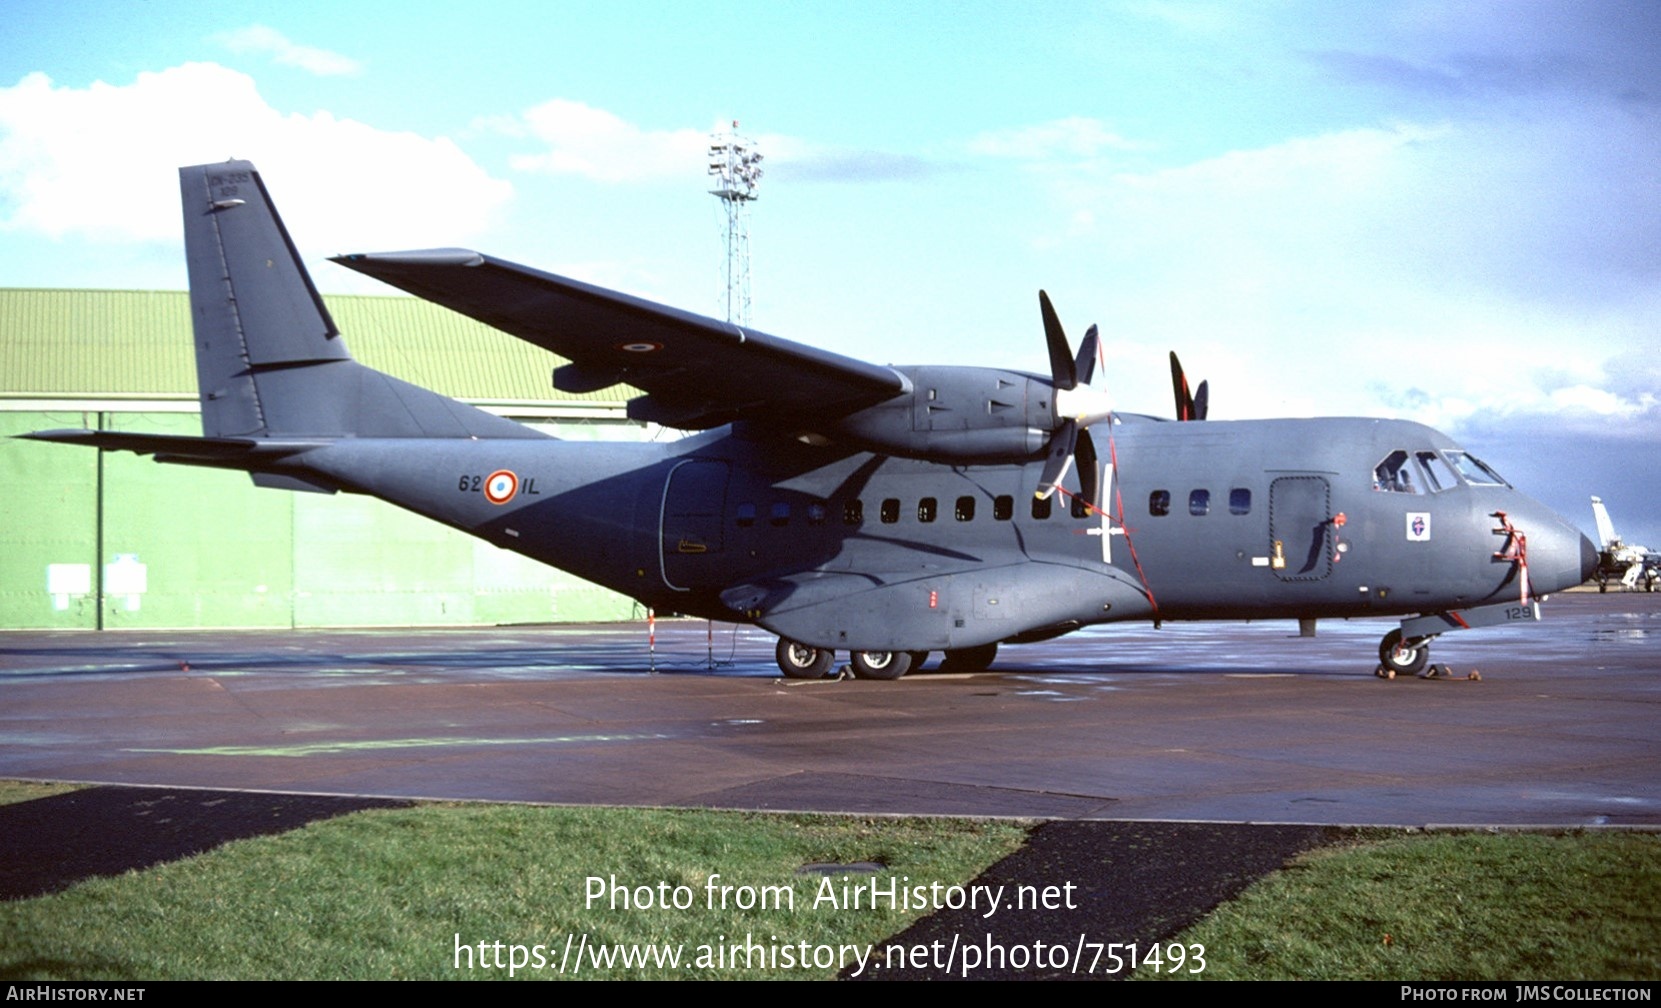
(1514, 550)
(1118, 494)
(1119, 500)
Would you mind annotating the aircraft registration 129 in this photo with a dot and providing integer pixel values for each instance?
(848, 507)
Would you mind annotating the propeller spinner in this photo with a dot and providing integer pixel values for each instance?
(1077, 406)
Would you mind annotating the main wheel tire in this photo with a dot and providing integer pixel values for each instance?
(1409, 658)
(970, 660)
(880, 664)
(798, 661)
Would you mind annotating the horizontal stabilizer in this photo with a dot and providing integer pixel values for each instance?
(179, 447)
(272, 462)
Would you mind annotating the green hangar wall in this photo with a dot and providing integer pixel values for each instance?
(95, 540)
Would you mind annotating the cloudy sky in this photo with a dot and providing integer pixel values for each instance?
(1442, 211)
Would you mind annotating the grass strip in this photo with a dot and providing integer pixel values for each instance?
(395, 893)
(1447, 906)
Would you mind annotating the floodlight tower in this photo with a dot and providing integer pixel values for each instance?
(736, 165)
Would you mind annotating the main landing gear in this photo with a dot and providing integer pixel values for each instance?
(802, 661)
(880, 664)
(798, 661)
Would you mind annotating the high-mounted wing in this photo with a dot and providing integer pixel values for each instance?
(697, 372)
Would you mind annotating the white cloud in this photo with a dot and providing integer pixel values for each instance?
(596, 144)
(1075, 136)
(260, 39)
(1425, 271)
(100, 162)
(1600, 402)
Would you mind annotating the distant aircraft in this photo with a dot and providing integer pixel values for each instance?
(1617, 561)
(882, 512)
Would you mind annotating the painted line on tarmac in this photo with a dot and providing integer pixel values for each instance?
(328, 748)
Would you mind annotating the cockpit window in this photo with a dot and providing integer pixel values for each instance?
(1473, 470)
(1438, 474)
(1395, 474)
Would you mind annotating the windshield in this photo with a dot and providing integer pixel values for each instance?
(1472, 469)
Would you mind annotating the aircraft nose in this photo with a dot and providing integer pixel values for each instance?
(1559, 555)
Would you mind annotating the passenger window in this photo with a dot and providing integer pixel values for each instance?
(926, 509)
(1041, 507)
(1394, 475)
(1438, 475)
(816, 513)
(1081, 507)
(965, 510)
(1239, 501)
(853, 512)
(1199, 502)
(1003, 507)
(746, 515)
(780, 514)
(1159, 503)
(890, 510)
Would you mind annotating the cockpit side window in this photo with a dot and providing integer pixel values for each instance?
(1438, 474)
(1395, 474)
(1472, 469)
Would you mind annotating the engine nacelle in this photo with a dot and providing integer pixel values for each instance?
(957, 414)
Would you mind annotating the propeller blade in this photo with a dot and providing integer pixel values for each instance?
(1085, 367)
(1058, 458)
(1062, 371)
(1089, 469)
(1179, 388)
(1202, 401)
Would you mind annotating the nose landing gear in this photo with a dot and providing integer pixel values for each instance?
(1403, 656)
(1406, 650)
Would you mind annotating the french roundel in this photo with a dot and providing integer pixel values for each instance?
(500, 486)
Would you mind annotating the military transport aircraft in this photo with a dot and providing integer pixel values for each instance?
(1626, 565)
(884, 512)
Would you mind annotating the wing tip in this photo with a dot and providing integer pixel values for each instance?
(414, 257)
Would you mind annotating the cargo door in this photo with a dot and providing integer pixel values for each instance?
(1300, 528)
(690, 529)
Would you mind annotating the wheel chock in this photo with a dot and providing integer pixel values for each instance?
(1443, 672)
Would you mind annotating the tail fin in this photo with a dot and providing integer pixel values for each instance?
(269, 361)
(1606, 528)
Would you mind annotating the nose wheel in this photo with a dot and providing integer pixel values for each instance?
(1402, 656)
